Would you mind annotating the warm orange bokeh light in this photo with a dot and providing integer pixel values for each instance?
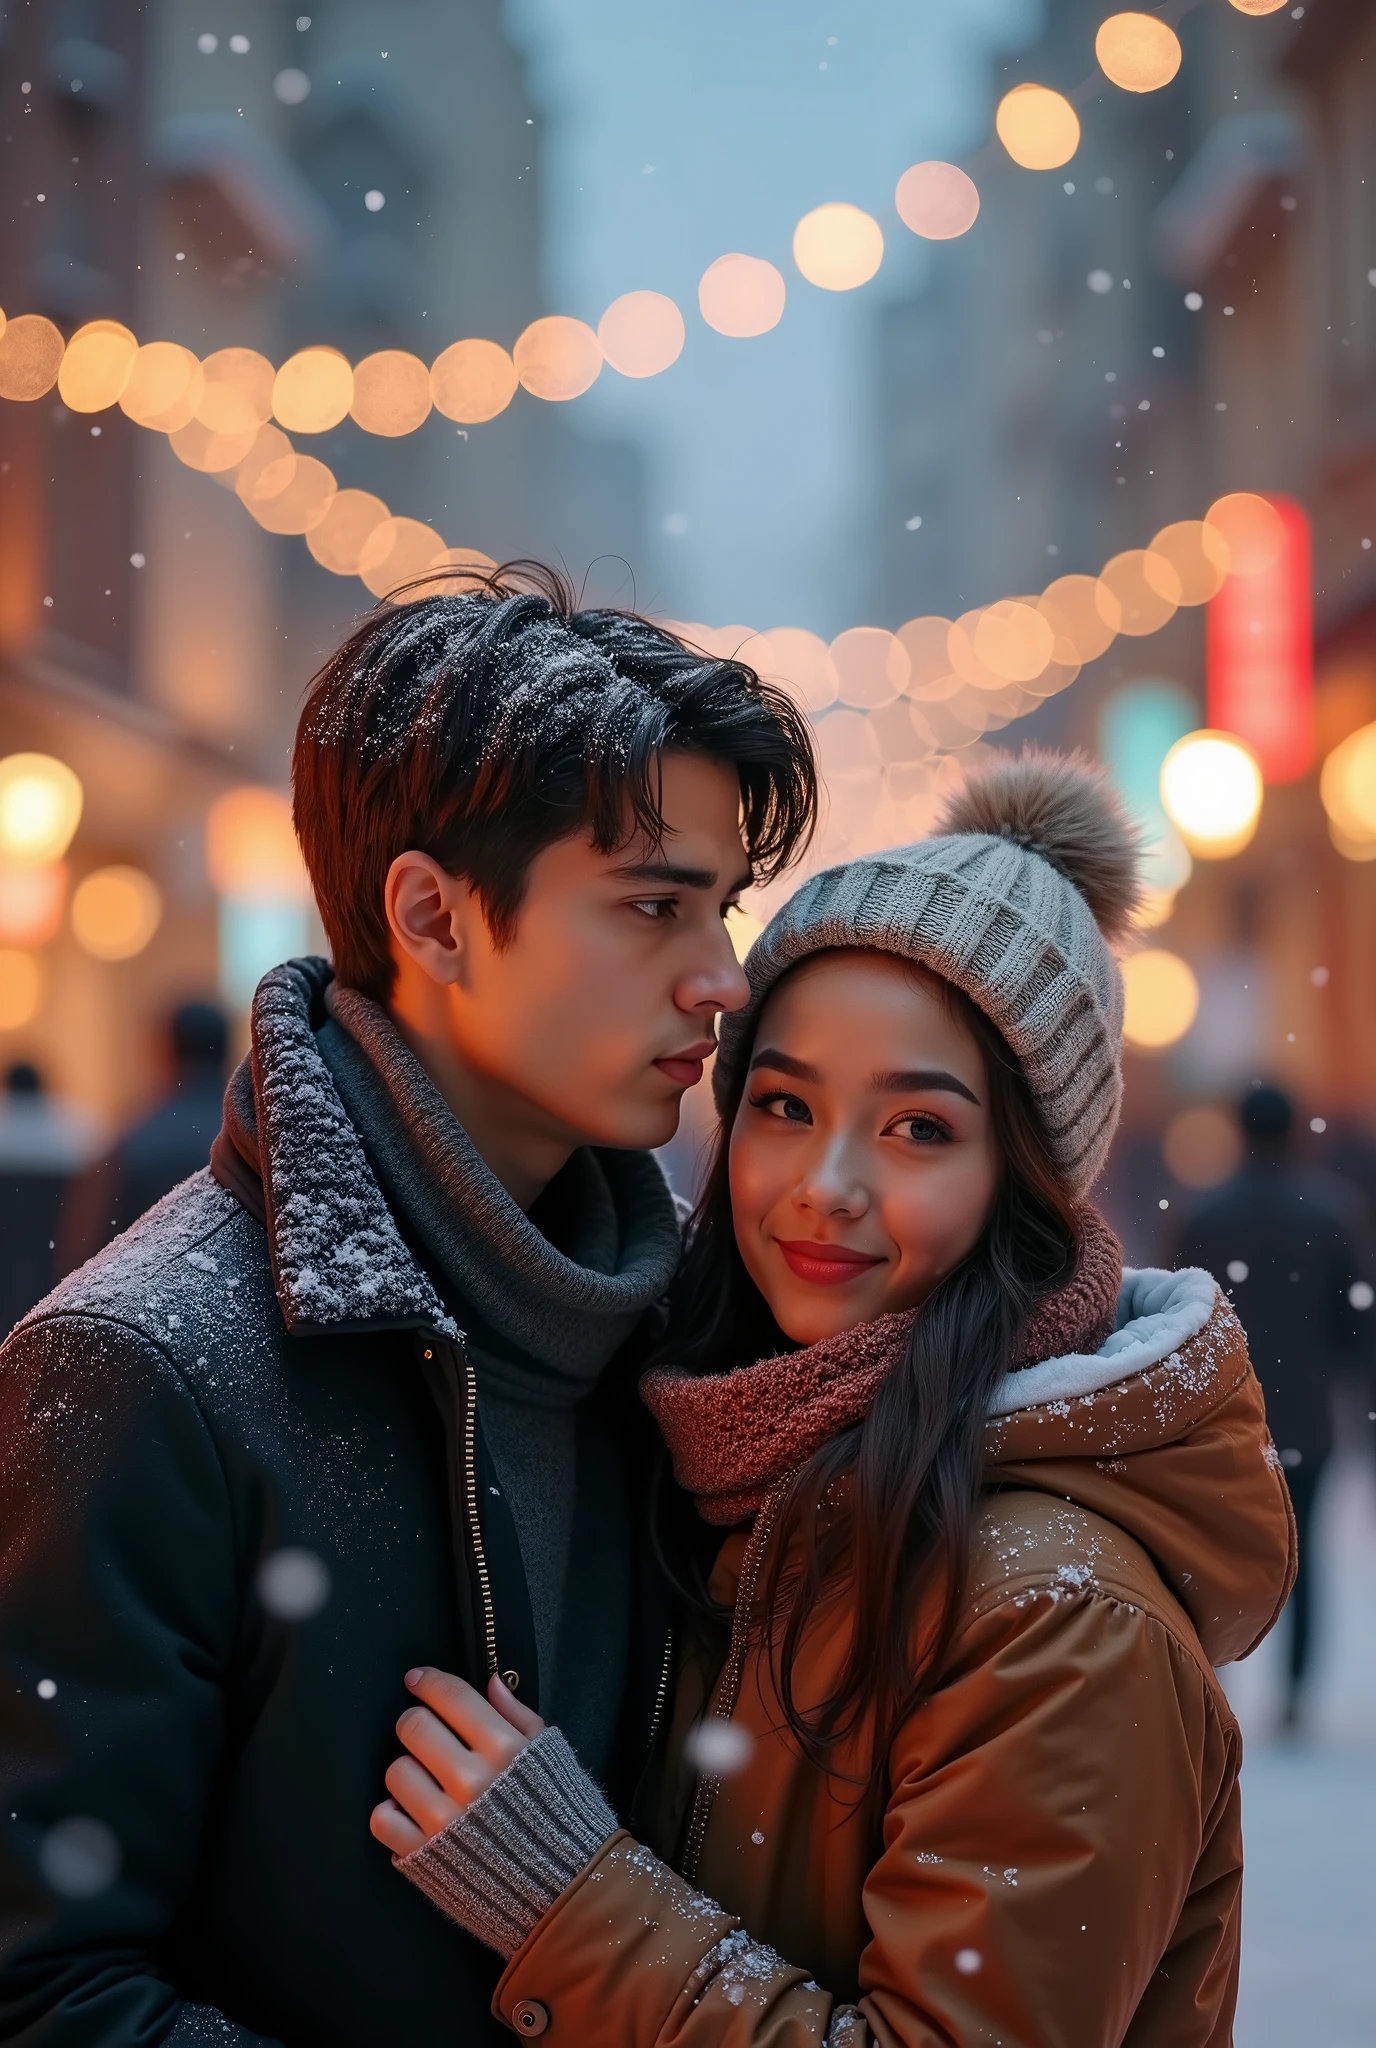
(557, 358)
(1258, 6)
(1347, 785)
(164, 387)
(473, 381)
(30, 357)
(115, 912)
(199, 447)
(313, 391)
(96, 365)
(1138, 52)
(1083, 615)
(1202, 1146)
(967, 664)
(847, 744)
(292, 494)
(391, 393)
(1138, 589)
(237, 393)
(937, 200)
(31, 902)
(452, 571)
(929, 661)
(1039, 128)
(872, 667)
(337, 541)
(838, 247)
(1161, 999)
(41, 800)
(250, 847)
(802, 661)
(21, 989)
(1211, 790)
(1198, 555)
(1014, 639)
(742, 296)
(1253, 530)
(641, 333)
(396, 550)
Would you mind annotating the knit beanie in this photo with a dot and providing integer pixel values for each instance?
(1031, 872)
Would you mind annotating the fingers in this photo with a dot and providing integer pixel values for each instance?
(394, 1830)
(416, 1792)
(460, 1708)
(510, 1708)
(461, 1773)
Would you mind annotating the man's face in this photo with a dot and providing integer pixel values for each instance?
(598, 1014)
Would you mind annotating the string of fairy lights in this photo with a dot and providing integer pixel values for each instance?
(890, 708)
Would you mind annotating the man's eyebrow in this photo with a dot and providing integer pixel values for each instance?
(677, 877)
(932, 1078)
(783, 1063)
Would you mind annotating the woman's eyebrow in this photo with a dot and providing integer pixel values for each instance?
(784, 1063)
(935, 1078)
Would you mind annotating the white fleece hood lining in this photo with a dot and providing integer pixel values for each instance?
(1158, 1312)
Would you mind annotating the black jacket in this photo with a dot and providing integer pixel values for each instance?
(170, 1419)
(1301, 1238)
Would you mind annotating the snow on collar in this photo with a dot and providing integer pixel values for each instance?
(338, 1259)
(1158, 1312)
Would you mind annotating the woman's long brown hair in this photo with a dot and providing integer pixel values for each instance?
(888, 1506)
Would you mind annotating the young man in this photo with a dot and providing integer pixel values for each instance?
(347, 1401)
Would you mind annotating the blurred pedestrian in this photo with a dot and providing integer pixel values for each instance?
(162, 1148)
(44, 1142)
(1290, 1245)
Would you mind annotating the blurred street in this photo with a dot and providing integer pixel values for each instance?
(1309, 1803)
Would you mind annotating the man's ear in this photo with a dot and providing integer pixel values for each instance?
(430, 915)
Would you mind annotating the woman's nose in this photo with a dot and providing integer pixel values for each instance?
(833, 1185)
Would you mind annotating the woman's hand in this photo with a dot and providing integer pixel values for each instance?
(458, 1744)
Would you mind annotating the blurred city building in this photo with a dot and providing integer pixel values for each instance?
(1183, 310)
(235, 179)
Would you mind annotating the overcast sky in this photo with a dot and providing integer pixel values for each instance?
(674, 133)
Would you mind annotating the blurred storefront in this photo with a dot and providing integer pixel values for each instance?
(276, 182)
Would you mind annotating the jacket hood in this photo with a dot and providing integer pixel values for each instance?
(1162, 1430)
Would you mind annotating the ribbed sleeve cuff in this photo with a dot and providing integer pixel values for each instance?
(501, 1865)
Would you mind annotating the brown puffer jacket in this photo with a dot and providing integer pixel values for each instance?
(1062, 1846)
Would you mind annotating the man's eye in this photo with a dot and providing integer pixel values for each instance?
(783, 1107)
(657, 907)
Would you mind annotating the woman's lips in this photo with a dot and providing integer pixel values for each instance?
(684, 1069)
(825, 1265)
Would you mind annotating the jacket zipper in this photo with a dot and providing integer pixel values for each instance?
(470, 1468)
(728, 1687)
(663, 1691)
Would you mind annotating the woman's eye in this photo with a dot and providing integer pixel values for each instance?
(789, 1109)
(923, 1130)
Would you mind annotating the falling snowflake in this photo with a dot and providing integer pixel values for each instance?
(718, 1747)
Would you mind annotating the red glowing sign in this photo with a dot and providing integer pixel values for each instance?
(1261, 650)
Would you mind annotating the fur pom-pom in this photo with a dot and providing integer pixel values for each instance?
(1062, 807)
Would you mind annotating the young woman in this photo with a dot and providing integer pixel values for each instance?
(955, 1768)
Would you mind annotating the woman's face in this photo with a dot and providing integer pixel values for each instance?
(863, 1161)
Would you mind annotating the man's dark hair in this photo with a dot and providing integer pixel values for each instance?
(481, 727)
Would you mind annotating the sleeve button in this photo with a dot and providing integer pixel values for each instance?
(529, 2017)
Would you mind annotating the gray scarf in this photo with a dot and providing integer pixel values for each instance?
(543, 1310)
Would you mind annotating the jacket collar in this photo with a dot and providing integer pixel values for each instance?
(339, 1262)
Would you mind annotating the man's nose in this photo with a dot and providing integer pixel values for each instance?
(717, 981)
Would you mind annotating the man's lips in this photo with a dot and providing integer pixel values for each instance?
(684, 1069)
(825, 1265)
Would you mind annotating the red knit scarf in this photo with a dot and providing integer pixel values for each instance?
(733, 1435)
